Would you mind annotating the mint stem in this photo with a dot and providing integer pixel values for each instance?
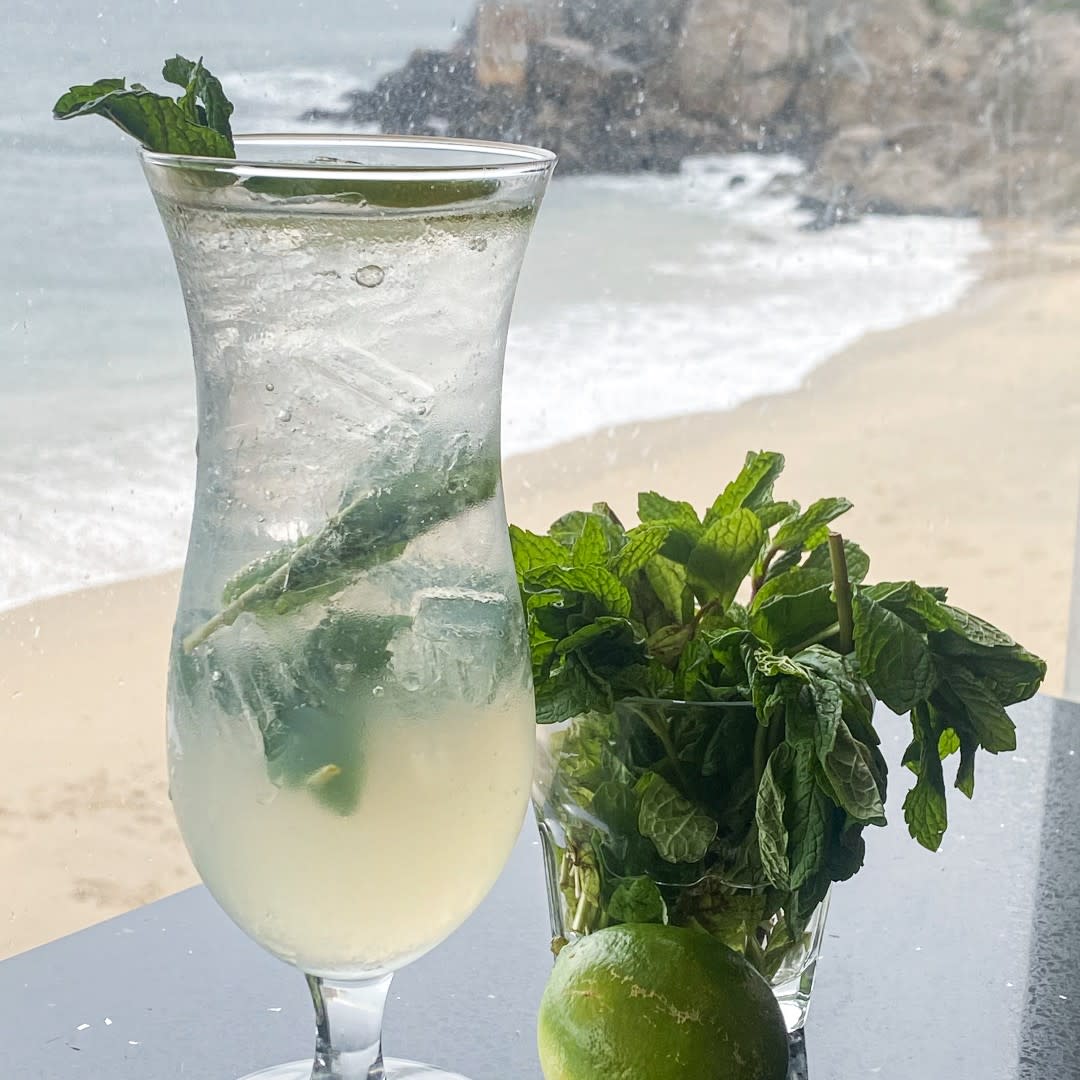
(761, 753)
(705, 609)
(817, 639)
(759, 578)
(233, 611)
(842, 589)
(660, 730)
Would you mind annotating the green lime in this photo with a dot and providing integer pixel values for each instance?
(646, 1002)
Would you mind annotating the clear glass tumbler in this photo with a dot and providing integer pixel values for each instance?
(350, 721)
(601, 867)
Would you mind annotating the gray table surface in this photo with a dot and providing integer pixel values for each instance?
(964, 965)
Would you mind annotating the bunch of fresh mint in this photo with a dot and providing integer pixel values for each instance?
(729, 818)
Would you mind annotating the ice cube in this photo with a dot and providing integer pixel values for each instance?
(461, 643)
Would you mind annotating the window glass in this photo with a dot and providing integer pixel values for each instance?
(840, 229)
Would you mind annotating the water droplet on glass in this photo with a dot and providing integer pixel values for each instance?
(377, 691)
(410, 681)
(270, 387)
(215, 676)
(421, 410)
(369, 276)
(268, 494)
(478, 243)
(284, 416)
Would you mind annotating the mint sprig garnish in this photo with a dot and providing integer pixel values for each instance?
(306, 686)
(372, 526)
(195, 123)
(756, 602)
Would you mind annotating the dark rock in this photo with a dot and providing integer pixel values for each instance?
(735, 60)
(898, 106)
(641, 31)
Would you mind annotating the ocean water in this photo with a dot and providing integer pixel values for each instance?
(642, 297)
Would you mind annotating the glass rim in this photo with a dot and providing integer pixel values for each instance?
(738, 703)
(507, 159)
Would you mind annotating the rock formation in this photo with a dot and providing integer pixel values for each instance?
(952, 107)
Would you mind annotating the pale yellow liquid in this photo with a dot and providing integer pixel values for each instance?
(441, 805)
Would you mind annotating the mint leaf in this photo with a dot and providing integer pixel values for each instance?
(772, 513)
(642, 543)
(308, 702)
(637, 900)
(570, 527)
(858, 705)
(809, 524)
(925, 808)
(990, 723)
(858, 562)
(566, 693)
(204, 100)
(158, 122)
(594, 581)
(797, 581)
(680, 831)
(78, 96)
(806, 819)
(771, 827)
(668, 579)
(667, 643)
(532, 551)
(793, 609)
(583, 752)
(948, 743)
(684, 526)
(965, 775)
(752, 488)
(1008, 671)
(1011, 675)
(846, 762)
(724, 555)
(591, 546)
(972, 629)
(893, 657)
(679, 515)
(605, 626)
(917, 606)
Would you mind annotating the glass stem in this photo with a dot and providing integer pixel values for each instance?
(348, 1024)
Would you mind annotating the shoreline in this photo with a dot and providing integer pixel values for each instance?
(953, 436)
(961, 421)
(722, 295)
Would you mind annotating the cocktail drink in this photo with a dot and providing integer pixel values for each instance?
(350, 703)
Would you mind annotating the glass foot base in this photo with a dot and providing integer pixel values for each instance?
(396, 1069)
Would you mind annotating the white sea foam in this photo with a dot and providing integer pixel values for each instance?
(644, 297)
(88, 510)
(274, 100)
(745, 301)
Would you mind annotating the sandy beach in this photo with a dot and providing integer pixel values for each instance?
(955, 437)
